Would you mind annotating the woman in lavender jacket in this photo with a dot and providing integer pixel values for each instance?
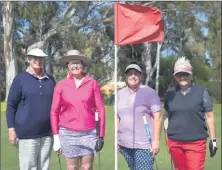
(133, 102)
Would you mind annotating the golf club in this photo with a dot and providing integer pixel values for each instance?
(149, 135)
(97, 134)
(17, 148)
(59, 162)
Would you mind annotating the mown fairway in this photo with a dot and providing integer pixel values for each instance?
(9, 159)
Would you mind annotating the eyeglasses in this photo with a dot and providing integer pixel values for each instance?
(74, 64)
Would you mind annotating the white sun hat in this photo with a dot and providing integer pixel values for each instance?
(36, 52)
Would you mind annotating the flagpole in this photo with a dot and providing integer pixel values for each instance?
(158, 66)
(115, 105)
(115, 82)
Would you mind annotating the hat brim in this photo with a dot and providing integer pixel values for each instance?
(182, 71)
(41, 56)
(132, 66)
(63, 61)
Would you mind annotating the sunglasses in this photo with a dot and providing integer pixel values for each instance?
(131, 72)
(182, 74)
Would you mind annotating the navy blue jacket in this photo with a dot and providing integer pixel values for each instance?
(29, 104)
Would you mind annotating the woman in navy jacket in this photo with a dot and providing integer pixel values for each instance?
(28, 110)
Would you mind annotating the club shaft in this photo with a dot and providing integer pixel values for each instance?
(99, 161)
(98, 134)
(146, 125)
(59, 162)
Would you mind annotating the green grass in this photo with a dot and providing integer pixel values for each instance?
(9, 159)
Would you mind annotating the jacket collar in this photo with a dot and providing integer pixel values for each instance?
(87, 78)
(44, 75)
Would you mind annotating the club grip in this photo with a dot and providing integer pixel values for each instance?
(147, 128)
(97, 124)
(96, 116)
(144, 119)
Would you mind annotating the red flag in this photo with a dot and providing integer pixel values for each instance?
(136, 24)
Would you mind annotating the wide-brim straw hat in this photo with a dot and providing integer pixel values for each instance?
(74, 55)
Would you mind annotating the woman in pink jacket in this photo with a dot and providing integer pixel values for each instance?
(75, 101)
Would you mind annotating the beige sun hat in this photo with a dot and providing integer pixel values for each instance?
(74, 55)
(37, 53)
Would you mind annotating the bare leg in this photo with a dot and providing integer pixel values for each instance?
(87, 162)
(72, 163)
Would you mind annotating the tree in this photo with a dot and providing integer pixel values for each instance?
(89, 34)
(57, 27)
(10, 60)
(65, 26)
(213, 48)
(39, 16)
(2, 78)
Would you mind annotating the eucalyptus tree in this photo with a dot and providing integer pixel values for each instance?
(7, 9)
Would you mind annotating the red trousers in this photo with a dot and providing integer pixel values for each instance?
(188, 155)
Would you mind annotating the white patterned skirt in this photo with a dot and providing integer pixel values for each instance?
(75, 143)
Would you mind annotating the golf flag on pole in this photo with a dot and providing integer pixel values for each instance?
(136, 24)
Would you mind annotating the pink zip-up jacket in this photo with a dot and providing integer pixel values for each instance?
(73, 108)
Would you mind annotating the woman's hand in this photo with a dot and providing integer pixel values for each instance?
(56, 144)
(12, 136)
(99, 144)
(155, 149)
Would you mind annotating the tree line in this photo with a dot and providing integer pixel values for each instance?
(192, 29)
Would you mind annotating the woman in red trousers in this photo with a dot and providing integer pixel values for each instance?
(188, 110)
